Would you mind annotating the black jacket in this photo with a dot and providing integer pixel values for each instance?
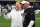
(28, 16)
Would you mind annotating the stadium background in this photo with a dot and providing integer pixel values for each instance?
(7, 23)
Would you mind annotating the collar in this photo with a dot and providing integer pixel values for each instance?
(26, 10)
(18, 10)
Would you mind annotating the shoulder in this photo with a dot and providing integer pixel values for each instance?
(12, 11)
(22, 11)
(30, 11)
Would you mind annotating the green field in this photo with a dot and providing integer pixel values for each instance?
(37, 21)
(4, 22)
(7, 23)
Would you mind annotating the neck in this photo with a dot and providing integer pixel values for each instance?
(18, 9)
(26, 8)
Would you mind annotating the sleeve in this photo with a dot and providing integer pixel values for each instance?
(32, 21)
(37, 11)
(8, 16)
(32, 16)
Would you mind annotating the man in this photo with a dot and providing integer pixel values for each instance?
(15, 16)
(13, 5)
(9, 7)
(36, 11)
(0, 9)
(0, 12)
(29, 15)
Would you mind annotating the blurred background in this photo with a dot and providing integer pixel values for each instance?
(7, 4)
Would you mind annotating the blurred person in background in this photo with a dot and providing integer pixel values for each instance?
(0, 9)
(14, 6)
(29, 15)
(9, 7)
(37, 11)
(15, 16)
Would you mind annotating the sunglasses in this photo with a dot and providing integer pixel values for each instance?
(21, 4)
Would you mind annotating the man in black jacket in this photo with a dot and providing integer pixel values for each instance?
(29, 15)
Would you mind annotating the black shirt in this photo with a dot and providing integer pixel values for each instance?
(28, 16)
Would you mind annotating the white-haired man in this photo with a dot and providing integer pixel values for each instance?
(15, 15)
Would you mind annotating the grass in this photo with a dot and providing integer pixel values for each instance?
(37, 21)
(4, 22)
(7, 23)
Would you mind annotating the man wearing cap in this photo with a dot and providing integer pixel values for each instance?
(29, 15)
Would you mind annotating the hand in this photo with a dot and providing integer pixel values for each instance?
(6, 11)
(28, 26)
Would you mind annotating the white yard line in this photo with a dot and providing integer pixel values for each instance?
(37, 18)
(5, 23)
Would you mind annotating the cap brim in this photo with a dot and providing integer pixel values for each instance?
(23, 2)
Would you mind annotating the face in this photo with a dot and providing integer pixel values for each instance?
(18, 6)
(25, 6)
(21, 5)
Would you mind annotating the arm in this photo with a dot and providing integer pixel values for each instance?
(31, 23)
(32, 19)
(37, 11)
(7, 16)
